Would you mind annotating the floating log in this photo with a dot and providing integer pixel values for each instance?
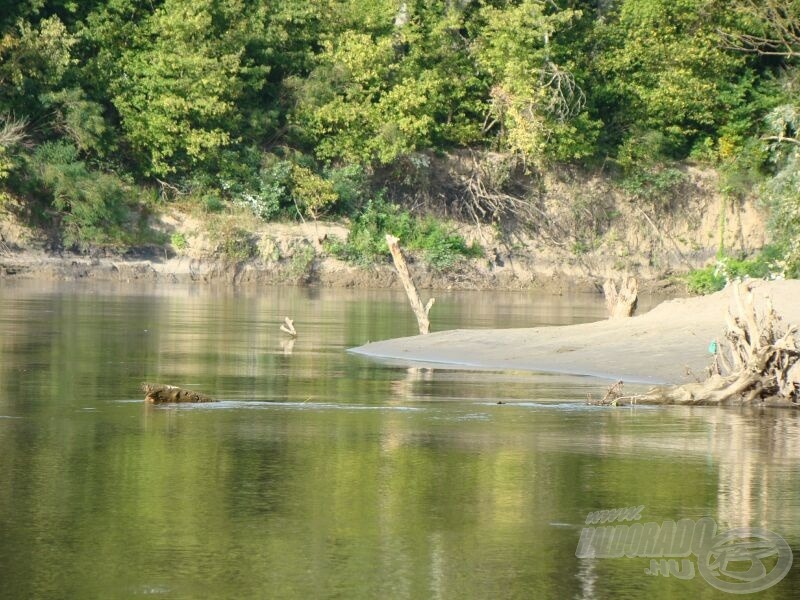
(621, 302)
(158, 393)
(420, 310)
(758, 363)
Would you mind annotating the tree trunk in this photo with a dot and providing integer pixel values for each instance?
(420, 310)
(621, 303)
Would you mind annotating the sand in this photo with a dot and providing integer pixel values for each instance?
(664, 346)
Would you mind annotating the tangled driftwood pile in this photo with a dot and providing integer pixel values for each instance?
(757, 362)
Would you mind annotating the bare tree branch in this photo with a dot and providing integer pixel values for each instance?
(12, 131)
(782, 21)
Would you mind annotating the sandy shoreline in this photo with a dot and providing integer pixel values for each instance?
(665, 345)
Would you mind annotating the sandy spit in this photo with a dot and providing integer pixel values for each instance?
(664, 346)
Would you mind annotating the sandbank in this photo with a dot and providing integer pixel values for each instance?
(667, 345)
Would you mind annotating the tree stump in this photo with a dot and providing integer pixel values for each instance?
(621, 303)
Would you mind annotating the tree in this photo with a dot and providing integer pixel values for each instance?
(772, 28)
(538, 103)
(384, 88)
(176, 88)
(664, 70)
(33, 60)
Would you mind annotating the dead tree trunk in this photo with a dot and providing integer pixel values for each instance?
(420, 310)
(758, 362)
(621, 303)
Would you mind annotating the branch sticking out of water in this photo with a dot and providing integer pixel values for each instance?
(288, 327)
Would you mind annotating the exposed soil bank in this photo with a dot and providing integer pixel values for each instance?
(666, 345)
(322, 271)
(586, 230)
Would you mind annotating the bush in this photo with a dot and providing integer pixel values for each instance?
(288, 187)
(233, 242)
(366, 242)
(178, 241)
(302, 262)
(312, 194)
(705, 281)
(656, 185)
(212, 203)
(713, 278)
(350, 183)
(94, 206)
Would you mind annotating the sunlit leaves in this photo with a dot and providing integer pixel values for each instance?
(177, 90)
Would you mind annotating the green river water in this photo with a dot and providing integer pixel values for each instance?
(321, 474)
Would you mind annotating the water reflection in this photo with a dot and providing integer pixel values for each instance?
(323, 474)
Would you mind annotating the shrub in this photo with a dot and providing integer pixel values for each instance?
(212, 203)
(313, 195)
(178, 241)
(713, 278)
(235, 243)
(302, 262)
(272, 193)
(94, 206)
(657, 185)
(705, 281)
(366, 242)
(350, 184)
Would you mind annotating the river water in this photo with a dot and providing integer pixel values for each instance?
(321, 474)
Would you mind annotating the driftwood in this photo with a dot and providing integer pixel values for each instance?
(758, 362)
(162, 394)
(288, 327)
(420, 310)
(621, 302)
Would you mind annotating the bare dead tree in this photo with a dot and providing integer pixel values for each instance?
(484, 199)
(288, 327)
(420, 310)
(564, 98)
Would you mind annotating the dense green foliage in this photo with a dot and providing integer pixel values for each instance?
(301, 108)
(366, 242)
(769, 263)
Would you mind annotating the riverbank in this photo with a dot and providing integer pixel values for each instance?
(564, 249)
(155, 265)
(668, 345)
